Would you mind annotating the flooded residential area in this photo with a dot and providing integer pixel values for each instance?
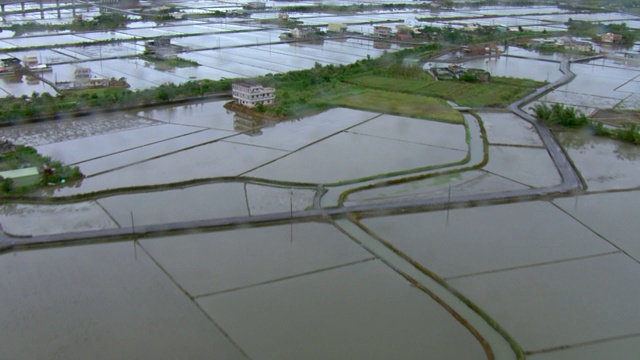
(356, 231)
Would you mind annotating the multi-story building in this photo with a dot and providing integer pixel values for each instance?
(382, 31)
(251, 95)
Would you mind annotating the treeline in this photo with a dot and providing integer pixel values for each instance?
(299, 92)
(295, 89)
(45, 104)
(100, 22)
(587, 28)
(567, 116)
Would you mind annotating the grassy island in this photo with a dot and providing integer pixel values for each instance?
(388, 84)
(50, 172)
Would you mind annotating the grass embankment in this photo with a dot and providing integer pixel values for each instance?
(498, 93)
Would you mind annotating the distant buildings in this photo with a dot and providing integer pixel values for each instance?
(9, 65)
(161, 48)
(252, 95)
(254, 5)
(611, 38)
(83, 79)
(32, 64)
(381, 31)
(458, 72)
(337, 28)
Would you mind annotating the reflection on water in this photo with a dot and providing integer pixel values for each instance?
(584, 140)
(250, 125)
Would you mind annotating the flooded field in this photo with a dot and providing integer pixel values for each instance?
(345, 234)
(604, 164)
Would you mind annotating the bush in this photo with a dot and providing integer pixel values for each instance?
(559, 114)
(6, 184)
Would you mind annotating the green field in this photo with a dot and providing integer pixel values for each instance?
(400, 103)
(500, 92)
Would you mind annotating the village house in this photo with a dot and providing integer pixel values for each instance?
(161, 48)
(611, 38)
(251, 95)
(9, 65)
(337, 28)
(578, 45)
(254, 5)
(382, 31)
(283, 17)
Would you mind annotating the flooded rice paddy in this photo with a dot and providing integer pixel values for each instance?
(558, 273)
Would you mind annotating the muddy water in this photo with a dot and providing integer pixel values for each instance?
(100, 302)
(509, 129)
(25, 220)
(203, 162)
(70, 129)
(468, 241)
(515, 67)
(327, 161)
(207, 263)
(79, 150)
(527, 166)
(561, 304)
(604, 164)
(612, 215)
(469, 182)
(363, 311)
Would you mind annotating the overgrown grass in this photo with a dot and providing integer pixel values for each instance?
(500, 92)
(417, 106)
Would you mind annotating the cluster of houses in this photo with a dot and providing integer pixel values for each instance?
(567, 43)
(12, 65)
(455, 71)
(299, 34)
(402, 32)
(84, 79)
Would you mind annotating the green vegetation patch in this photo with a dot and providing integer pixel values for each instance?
(500, 92)
(173, 62)
(390, 83)
(399, 103)
(51, 171)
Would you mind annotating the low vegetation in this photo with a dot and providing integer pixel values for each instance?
(628, 132)
(46, 105)
(569, 117)
(560, 115)
(173, 62)
(52, 172)
(500, 92)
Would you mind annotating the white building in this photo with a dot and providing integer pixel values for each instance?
(251, 95)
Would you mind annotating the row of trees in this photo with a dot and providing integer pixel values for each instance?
(100, 22)
(587, 28)
(45, 104)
